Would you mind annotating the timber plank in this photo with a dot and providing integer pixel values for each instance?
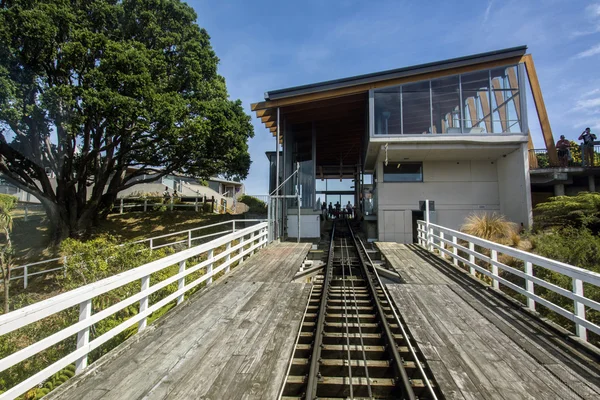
(503, 352)
(230, 340)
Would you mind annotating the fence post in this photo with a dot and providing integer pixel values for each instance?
(242, 241)
(228, 257)
(26, 213)
(181, 281)
(530, 287)
(455, 250)
(209, 267)
(233, 229)
(442, 245)
(196, 204)
(579, 309)
(151, 244)
(495, 283)
(430, 238)
(25, 277)
(171, 203)
(144, 303)
(83, 336)
(252, 243)
(121, 207)
(145, 205)
(472, 258)
(189, 239)
(212, 204)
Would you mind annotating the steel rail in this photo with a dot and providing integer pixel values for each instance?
(407, 391)
(401, 325)
(346, 319)
(313, 374)
(362, 342)
(296, 342)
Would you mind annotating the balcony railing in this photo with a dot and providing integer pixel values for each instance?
(538, 158)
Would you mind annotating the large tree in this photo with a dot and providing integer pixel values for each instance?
(100, 93)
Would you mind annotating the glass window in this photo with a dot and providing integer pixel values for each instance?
(416, 108)
(505, 100)
(403, 172)
(446, 105)
(476, 102)
(387, 111)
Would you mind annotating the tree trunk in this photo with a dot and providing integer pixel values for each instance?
(64, 222)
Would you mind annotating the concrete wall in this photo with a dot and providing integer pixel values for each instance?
(514, 186)
(457, 187)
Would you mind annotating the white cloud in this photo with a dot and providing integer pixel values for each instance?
(486, 14)
(593, 10)
(591, 93)
(587, 105)
(592, 51)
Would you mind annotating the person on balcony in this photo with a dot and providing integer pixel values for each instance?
(588, 147)
(562, 147)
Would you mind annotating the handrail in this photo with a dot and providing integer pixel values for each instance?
(438, 238)
(151, 240)
(255, 237)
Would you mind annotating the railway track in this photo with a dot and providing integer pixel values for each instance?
(352, 343)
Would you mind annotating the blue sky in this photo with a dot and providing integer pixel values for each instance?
(265, 45)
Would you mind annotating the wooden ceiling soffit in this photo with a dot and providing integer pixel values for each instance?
(349, 90)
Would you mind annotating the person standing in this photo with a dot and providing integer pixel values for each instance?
(562, 147)
(588, 147)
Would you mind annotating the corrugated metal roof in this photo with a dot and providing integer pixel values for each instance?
(397, 73)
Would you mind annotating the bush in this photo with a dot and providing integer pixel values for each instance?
(575, 246)
(581, 211)
(87, 262)
(255, 206)
(492, 227)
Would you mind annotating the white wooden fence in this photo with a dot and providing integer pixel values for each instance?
(60, 263)
(148, 204)
(449, 243)
(254, 238)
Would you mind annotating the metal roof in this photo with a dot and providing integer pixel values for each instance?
(397, 73)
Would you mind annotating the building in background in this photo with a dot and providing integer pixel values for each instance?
(455, 132)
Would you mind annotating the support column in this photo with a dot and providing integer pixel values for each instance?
(592, 183)
(277, 177)
(559, 189)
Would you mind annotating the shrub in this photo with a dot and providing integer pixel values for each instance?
(492, 227)
(581, 211)
(255, 206)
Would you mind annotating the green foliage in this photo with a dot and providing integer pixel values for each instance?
(107, 92)
(575, 150)
(575, 246)
(7, 204)
(581, 211)
(255, 205)
(543, 160)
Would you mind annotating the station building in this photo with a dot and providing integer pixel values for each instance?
(454, 132)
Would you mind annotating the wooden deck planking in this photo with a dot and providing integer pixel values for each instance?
(277, 263)
(232, 340)
(479, 346)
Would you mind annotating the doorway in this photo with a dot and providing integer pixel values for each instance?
(416, 216)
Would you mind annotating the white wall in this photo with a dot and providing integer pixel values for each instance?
(515, 186)
(457, 187)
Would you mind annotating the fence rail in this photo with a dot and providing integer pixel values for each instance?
(237, 246)
(466, 249)
(60, 263)
(146, 204)
(540, 157)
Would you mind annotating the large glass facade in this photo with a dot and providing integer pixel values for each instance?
(480, 102)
